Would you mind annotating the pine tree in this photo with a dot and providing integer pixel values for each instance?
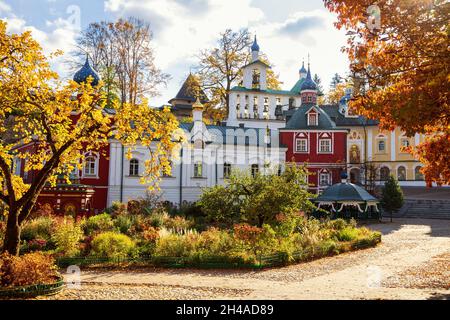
(392, 196)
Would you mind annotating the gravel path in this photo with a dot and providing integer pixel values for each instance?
(413, 262)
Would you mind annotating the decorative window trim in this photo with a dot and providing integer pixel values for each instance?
(306, 145)
(316, 121)
(329, 179)
(96, 165)
(319, 149)
(135, 163)
(378, 146)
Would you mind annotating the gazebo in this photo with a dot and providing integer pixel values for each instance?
(348, 200)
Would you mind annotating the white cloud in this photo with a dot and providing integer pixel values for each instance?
(61, 36)
(180, 33)
(4, 7)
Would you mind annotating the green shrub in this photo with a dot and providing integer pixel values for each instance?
(38, 228)
(66, 236)
(328, 247)
(348, 234)
(157, 219)
(123, 224)
(112, 245)
(98, 223)
(174, 245)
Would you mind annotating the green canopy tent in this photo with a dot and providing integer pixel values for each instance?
(347, 199)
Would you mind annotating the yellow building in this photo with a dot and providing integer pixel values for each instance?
(372, 154)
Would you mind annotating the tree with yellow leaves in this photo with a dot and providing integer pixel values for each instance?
(61, 121)
(399, 53)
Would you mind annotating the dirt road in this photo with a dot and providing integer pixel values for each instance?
(413, 262)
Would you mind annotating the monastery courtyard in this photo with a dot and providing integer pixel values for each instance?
(412, 262)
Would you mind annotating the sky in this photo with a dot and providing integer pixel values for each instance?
(287, 31)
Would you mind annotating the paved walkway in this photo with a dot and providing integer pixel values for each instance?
(413, 262)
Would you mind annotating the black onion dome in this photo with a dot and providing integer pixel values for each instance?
(86, 71)
(309, 83)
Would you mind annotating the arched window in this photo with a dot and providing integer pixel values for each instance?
(226, 170)
(198, 170)
(417, 174)
(384, 173)
(134, 168)
(255, 170)
(401, 173)
(90, 166)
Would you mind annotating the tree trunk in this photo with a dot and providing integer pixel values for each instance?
(11, 243)
(391, 215)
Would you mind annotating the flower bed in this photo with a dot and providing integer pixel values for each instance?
(262, 261)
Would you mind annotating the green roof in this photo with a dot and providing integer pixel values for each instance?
(298, 86)
(269, 91)
(345, 192)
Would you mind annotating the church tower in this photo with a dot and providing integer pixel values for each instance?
(308, 90)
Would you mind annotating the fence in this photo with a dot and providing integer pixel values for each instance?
(262, 261)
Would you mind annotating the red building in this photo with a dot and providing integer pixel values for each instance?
(313, 139)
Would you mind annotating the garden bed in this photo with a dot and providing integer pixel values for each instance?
(262, 261)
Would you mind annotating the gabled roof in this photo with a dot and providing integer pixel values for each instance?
(257, 62)
(298, 120)
(189, 89)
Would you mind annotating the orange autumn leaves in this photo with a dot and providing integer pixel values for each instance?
(401, 72)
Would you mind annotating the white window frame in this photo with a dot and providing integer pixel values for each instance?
(297, 150)
(330, 145)
(96, 164)
(316, 121)
(328, 179)
(198, 170)
(133, 167)
(378, 145)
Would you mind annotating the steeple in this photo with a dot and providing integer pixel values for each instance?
(197, 110)
(255, 50)
(303, 71)
(308, 89)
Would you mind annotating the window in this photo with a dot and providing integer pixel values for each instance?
(198, 170)
(404, 143)
(17, 166)
(401, 173)
(417, 174)
(301, 145)
(255, 79)
(325, 179)
(309, 98)
(384, 173)
(226, 170)
(325, 146)
(312, 119)
(382, 146)
(134, 167)
(255, 170)
(90, 166)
